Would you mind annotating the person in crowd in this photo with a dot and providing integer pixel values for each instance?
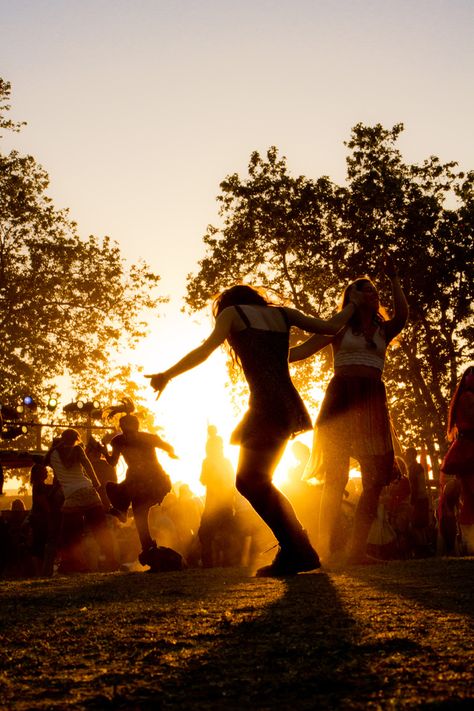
(304, 497)
(353, 420)
(40, 514)
(146, 484)
(79, 485)
(105, 472)
(419, 498)
(399, 509)
(459, 460)
(257, 333)
(216, 532)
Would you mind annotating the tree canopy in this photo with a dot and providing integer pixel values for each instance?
(306, 238)
(67, 304)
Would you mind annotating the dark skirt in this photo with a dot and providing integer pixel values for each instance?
(144, 490)
(354, 422)
(266, 426)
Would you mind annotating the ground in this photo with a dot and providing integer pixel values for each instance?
(397, 635)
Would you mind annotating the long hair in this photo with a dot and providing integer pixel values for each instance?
(354, 322)
(236, 296)
(68, 447)
(452, 428)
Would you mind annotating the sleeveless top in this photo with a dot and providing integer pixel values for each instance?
(71, 478)
(355, 349)
(276, 410)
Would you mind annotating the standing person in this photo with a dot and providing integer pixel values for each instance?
(146, 484)
(79, 485)
(257, 333)
(40, 514)
(459, 460)
(420, 501)
(216, 532)
(354, 420)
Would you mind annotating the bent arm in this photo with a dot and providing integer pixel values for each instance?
(400, 306)
(308, 348)
(112, 458)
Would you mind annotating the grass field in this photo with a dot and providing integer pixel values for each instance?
(397, 635)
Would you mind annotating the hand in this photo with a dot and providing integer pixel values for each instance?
(158, 382)
(388, 266)
(172, 454)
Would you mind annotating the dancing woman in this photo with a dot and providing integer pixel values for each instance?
(79, 483)
(257, 333)
(353, 420)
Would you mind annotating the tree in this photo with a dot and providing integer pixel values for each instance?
(306, 238)
(66, 304)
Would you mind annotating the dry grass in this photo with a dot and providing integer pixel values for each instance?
(389, 636)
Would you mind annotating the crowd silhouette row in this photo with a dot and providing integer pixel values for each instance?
(82, 521)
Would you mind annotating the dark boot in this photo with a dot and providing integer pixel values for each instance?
(161, 559)
(296, 557)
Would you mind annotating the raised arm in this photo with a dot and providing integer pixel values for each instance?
(308, 348)
(400, 305)
(158, 381)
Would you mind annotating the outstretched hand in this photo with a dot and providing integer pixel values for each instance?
(388, 266)
(158, 382)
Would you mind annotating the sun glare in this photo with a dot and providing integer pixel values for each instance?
(194, 400)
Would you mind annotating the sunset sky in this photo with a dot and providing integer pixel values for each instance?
(139, 108)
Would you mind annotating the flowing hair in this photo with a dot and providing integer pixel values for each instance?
(452, 428)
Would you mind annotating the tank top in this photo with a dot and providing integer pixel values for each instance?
(355, 349)
(71, 478)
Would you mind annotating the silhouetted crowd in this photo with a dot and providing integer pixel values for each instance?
(416, 518)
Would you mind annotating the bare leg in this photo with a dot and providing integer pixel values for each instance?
(337, 475)
(140, 514)
(254, 481)
(372, 470)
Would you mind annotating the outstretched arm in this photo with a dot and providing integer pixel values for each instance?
(400, 304)
(166, 447)
(332, 325)
(308, 348)
(312, 324)
(158, 381)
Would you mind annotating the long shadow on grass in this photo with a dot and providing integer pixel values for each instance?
(302, 649)
(195, 640)
(443, 584)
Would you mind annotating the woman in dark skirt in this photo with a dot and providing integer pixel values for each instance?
(258, 335)
(353, 420)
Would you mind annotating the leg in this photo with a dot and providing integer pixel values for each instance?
(337, 476)
(254, 481)
(140, 514)
(373, 478)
